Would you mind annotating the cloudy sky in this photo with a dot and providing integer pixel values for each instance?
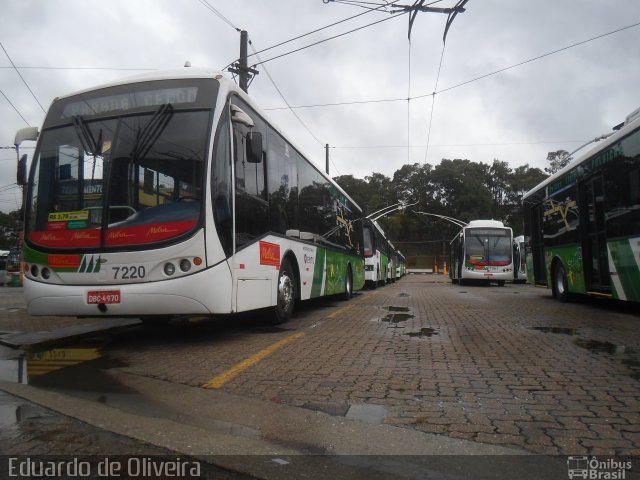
(495, 99)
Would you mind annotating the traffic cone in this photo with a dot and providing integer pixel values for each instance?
(444, 269)
(435, 268)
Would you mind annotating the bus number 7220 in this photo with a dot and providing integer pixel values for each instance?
(128, 272)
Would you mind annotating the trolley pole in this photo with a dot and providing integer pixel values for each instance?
(326, 158)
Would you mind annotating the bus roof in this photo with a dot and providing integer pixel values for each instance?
(193, 72)
(631, 122)
(485, 224)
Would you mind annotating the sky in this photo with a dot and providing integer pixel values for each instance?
(514, 80)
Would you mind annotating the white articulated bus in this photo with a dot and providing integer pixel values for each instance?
(170, 194)
(482, 251)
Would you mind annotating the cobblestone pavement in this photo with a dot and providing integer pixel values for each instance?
(501, 365)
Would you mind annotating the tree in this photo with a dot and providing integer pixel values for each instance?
(557, 161)
(9, 223)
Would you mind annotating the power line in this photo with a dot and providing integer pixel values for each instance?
(443, 145)
(219, 15)
(14, 107)
(397, 99)
(327, 39)
(22, 78)
(322, 28)
(23, 67)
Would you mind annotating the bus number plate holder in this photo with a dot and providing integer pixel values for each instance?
(103, 296)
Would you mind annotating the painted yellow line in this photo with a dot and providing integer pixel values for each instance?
(340, 311)
(220, 380)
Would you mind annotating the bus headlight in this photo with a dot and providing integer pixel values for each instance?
(169, 269)
(185, 265)
(46, 273)
(34, 270)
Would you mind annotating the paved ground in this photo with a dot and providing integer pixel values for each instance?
(496, 365)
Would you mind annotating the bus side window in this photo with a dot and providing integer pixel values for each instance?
(252, 208)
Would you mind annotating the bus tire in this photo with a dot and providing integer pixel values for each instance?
(348, 284)
(286, 294)
(560, 284)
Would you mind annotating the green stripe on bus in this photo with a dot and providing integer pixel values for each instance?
(318, 272)
(627, 267)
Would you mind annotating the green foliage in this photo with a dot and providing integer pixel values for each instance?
(557, 161)
(456, 188)
(9, 225)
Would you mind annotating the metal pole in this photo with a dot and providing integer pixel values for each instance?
(244, 74)
(326, 150)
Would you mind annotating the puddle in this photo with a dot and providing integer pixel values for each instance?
(627, 356)
(557, 330)
(48, 361)
(404, 295)
(396, 309)
(597, 346)
(397, 317)
(373, 414)
(424, 332)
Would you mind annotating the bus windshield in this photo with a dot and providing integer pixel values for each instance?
(119, 172)
(488, 247)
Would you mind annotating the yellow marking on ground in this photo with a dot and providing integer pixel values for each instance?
(41, 363)
(237, 369)
(340, 311)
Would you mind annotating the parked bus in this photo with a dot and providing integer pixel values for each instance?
(377, 251)
(519, 260)
(14, 269)
(170, 194)
(3, 266)
(584, 221)
(482, 251)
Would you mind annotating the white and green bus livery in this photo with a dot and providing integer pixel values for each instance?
(584, 221)
(171, 194)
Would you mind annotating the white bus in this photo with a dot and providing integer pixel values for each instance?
(519, 260)
(482, 251)
(170, 194)
(377, 254)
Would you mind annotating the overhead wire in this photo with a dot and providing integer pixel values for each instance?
(452, 87)
(22, 78)
(15, 108)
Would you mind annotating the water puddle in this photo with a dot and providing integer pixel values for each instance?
(404, 295)
(397, 317)
(424, 332)
(627, 356)
(373, 414)
(396, 309)
(557, 330)
(48, 361)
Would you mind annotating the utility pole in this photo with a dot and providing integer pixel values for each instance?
(241, 68)
(326, 157)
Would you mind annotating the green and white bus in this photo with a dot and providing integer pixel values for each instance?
(584, 221)
(171, 194)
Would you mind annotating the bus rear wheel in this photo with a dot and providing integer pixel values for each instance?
(286, 293)
(560, 284)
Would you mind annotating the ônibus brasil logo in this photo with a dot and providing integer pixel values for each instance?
(593, 468)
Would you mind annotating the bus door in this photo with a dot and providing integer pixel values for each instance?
(537, 245)
(594, 239)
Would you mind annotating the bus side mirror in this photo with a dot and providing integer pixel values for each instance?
(27, 133)
(21, 174)
(254, 147)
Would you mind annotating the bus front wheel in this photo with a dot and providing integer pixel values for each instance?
(286, 293)
(560, 284)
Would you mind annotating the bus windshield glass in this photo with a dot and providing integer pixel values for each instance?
(122, 166)
(488, 247)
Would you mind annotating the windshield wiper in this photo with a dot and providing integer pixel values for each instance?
(89, 143)
(152, 131)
